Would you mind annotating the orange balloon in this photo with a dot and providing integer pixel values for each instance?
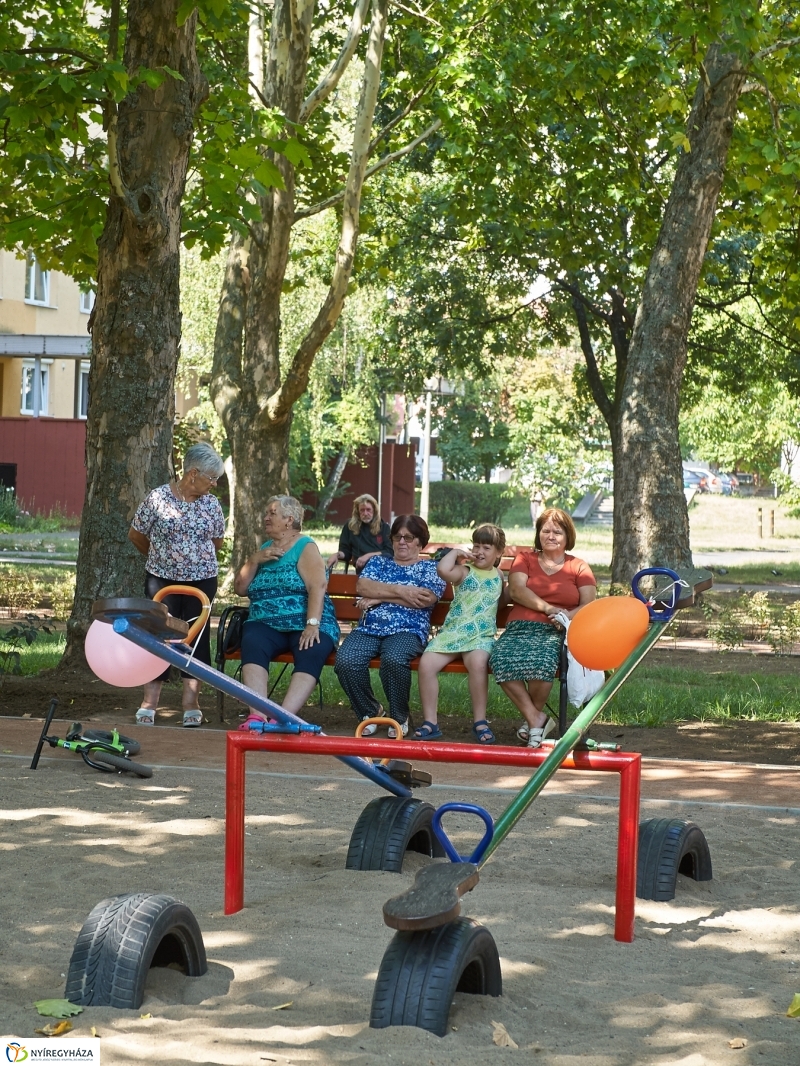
(604, 632)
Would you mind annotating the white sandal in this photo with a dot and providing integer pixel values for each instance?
(391, 734)
(536, 736)
(145, 716)
(522, 732)
(192, 718)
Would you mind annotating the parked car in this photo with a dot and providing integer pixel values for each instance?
(713, 482)
(729, 484)
(692, 479)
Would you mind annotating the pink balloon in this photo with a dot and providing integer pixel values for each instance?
(119, 661)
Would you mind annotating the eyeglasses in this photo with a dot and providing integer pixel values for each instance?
(404, 537)
(213, 480)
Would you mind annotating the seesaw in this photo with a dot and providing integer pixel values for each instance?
(435, 951)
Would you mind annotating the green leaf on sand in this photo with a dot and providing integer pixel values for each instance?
(57, 1008)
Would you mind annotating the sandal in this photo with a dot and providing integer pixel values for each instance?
(428, 731)
(483, 733)
(522, 732)
(536, 736)
(391, 734)
(245, 725)
(145, 716)
(192, 719)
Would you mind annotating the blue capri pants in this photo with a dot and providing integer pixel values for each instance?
(261, 644)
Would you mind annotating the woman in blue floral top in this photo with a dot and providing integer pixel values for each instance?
(290, 610)
(397, 596)
(179, 527)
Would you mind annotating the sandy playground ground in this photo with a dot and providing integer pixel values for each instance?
(718, 964)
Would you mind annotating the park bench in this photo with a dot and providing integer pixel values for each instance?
(342, 591)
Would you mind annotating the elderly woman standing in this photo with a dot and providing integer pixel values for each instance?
(541, 584)
(180, 527)
(289, 608)
(364, 536)
(397, 597)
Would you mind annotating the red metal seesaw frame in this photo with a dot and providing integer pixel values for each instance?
(627, 765)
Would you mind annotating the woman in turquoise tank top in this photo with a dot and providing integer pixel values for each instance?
(290, 610)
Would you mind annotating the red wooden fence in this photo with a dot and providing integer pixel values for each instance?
(48, 454)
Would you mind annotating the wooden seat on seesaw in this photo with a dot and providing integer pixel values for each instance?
(148, 615)
(433, 899)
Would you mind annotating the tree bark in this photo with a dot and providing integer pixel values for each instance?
(651, 525)
(331, 485)
(136, 321)
(253, 399)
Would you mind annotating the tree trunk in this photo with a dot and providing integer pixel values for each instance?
(252, 399)
(331, 485)
(135, 325)
(651, 525)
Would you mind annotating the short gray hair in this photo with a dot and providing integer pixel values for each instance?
(290, 508)
(202, 458)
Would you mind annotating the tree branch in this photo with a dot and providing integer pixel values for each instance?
(279, 405)
(60, 51)
(598, 389)
(777, 47)
(323, 205)
(330, 80)
(412, 103)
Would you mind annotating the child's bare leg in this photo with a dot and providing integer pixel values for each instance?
(477, 664)
(430, 665)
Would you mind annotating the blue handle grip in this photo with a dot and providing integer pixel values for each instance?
(668, 610)
(444, 839)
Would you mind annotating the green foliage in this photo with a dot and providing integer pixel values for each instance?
(756, 617)
(558, 442)
(24, 633)
(751, 430)
(61, 80)
(467, 504)
(9, 509)
(473, 429)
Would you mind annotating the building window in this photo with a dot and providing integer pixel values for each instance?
(87, 301)
(37, 282)
(28, 372)
(83, 391)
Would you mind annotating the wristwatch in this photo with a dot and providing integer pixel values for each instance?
(312, 621)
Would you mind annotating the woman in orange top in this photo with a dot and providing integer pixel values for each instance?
(541, 584)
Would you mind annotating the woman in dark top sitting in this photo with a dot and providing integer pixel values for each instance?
(364, 536)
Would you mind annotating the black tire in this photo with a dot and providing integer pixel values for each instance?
(132, 746)
(122, 939)
(111, 762)
(420, 974)
(386, 829)
(668, 847)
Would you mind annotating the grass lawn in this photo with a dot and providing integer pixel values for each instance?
(43, 654)
(655, 695)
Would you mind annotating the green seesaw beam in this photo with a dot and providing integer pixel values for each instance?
(573, 736)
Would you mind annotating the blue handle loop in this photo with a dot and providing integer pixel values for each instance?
(666, 612)
(444, 839)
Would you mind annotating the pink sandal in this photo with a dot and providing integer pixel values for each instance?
(253, 717)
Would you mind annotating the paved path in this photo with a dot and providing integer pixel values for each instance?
(665, 782)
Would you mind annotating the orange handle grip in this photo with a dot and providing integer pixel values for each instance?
(205, 608)
(398, 729)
